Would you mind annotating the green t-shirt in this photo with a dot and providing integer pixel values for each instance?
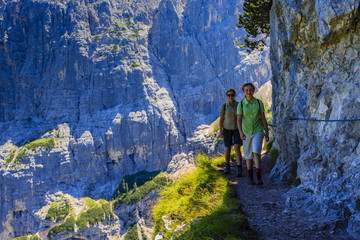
(229, 116)
(251, 119)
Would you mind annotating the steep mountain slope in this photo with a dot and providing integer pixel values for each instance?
(117, 86)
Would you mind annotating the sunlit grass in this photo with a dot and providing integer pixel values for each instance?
(204, 193)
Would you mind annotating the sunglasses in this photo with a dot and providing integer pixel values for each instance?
(230, 95)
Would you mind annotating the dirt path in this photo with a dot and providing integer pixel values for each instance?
(269, 218)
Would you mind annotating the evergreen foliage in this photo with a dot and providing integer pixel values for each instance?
(139, 178)
(136, 195)
(132, 233)
(256, 21)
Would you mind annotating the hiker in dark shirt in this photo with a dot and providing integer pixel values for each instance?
(251, 122)
(229, 131)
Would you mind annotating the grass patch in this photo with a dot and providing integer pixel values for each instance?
(20, 156)
(47, 143)
(58, 211)
(11, 157)
(28, 237)
(204, 193)
(138, 193)
(67, 226)
(132, 233)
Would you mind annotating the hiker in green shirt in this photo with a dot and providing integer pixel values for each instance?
(229, 131)
(251, 123)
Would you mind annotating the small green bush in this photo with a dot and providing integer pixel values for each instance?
(132, 233)
(47, 143)
(67, 226)
(274, 154)
(58, 211)
(268, 145)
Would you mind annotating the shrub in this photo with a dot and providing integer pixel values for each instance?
(58, 211)
(274, 154)
(44, 142)
(132, 233)
(268, 145)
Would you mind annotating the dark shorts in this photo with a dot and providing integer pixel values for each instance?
(231, 137)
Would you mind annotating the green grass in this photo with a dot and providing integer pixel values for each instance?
(28, 237)
(20, 156)
(47, 143)
(58, 211)
(204, 193)
(11, 157)
(136, 195)
(96, 213)
(132, 233)
(67, 226)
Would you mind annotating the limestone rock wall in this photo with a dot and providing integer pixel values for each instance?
(121, 87)
(315, 51)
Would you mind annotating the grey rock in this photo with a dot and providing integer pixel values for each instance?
(315, 63)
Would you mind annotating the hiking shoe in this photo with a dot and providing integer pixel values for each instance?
(251, 177)
(258, 177)
(239, 171)
(259, 182)
(227, 168)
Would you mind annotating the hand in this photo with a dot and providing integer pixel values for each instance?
(242, 136)
(221, 135)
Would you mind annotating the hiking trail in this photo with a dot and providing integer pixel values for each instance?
(270, 218)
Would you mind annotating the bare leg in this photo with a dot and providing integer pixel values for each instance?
(227, 154)
(238, 154)
(257, 159)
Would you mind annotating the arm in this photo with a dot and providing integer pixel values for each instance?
(264, 123)
(239, 125)
(221, 124)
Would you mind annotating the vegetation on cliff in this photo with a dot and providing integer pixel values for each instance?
(204, 202)
(256, 22)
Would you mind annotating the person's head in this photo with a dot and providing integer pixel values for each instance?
(230, 93)
(248, 89)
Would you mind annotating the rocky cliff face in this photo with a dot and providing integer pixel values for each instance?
(315, 62)
(119, 87)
